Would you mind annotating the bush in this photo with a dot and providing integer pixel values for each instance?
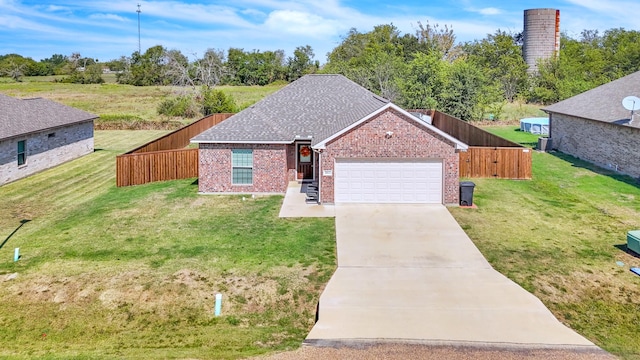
(216, 101)
(183, 106)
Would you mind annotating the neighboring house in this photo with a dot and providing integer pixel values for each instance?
(356, 145)
(594, 126)
(37, 134)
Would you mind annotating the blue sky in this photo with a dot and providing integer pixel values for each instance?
(108, 29)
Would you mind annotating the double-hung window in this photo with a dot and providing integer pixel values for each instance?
(242, 166)
(22, 152)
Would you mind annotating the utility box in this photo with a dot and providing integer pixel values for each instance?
(633, 241)
(466, 193)
(544, 143)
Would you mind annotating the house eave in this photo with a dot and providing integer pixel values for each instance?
(48, 129)
(253, 142)
(459, 145)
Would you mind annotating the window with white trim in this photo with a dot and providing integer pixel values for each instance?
(242, 166)
(22, 152)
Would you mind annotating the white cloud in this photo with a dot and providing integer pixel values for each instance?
(56, 8)
(15, 22)
(108, 17)
(490, 11)
(254, 13)
(300, 23)
(598, 15)
(175, 11)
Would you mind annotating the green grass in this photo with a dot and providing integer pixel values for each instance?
(115, 100)
(560, 236)
(131, 272)
(517, 110)
(514, 134)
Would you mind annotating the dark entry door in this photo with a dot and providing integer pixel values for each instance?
(305, 161)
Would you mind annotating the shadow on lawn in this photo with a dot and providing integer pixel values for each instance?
(528, 144)
(575, 162)
(22, 222)
(624, 248)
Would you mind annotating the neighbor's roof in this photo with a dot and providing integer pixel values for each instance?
(603, 103)
(25, 116)
(313, 107)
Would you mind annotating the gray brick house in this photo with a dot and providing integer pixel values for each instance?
(357, 146)
(594, 126)
(37, 134)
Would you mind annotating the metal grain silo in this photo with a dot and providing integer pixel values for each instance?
(541, 35)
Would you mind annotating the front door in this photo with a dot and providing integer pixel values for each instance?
(305, 162)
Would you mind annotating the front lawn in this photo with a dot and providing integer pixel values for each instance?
(560, 236)
(132, 272)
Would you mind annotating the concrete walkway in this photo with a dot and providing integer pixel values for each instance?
(410, 273)
(294, 204)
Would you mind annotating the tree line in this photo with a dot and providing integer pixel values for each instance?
(426, 69)
(429, 69)
(160, 66)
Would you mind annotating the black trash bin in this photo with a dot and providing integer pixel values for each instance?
(466, 193)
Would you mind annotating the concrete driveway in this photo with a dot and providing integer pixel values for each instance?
(410, 273)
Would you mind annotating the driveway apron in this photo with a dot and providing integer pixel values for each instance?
(410, 273)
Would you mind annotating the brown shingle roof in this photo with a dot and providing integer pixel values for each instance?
(603, 103)
(314, 107)
(20, 117)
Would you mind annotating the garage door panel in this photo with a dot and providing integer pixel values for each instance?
(388, 181)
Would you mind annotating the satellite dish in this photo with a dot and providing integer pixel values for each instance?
(631, 103)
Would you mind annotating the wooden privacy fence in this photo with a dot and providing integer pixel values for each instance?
(498, 162)
(164, 158)
(488, 156)
(142, 168)
(468, 133)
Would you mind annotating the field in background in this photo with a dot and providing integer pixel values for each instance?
(126, 102)
(513, 112)
(131, 272)
(112, 100)
(560, 236)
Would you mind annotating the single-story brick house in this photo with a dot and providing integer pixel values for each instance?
(38, 134)
(357, 146)
(594, 126)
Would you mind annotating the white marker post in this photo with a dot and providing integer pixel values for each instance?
(218, 308)
(16, 254)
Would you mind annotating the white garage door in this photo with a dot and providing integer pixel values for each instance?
(361, 181)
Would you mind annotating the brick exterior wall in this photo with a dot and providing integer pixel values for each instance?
(44, 152)
(291, 162)
(607, 145)
(270, 173)
(409, 140)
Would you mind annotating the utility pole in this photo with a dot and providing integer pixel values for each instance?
(139, 47)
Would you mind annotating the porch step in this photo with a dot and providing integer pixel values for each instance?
(312, 197)
(312, 192)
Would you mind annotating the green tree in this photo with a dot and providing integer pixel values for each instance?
(118, 65)
(16, 66)
(55, 63)
(501, 59)
(439, 39)
(461, 95)
(146, 69)
(215, 101)
(374, 60)
(255, 68)
(423, 81)
(621, 51)
(301, 63)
